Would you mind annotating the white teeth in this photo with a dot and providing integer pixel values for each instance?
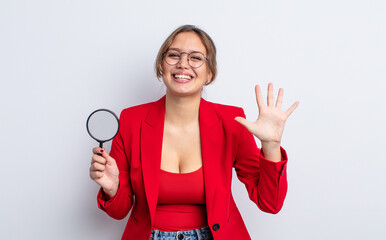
(182, 76)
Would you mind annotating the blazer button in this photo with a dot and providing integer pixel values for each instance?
(216, 227)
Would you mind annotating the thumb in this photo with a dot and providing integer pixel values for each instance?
(109, 159)
(247, 124)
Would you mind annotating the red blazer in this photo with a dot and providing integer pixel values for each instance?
(224, 144)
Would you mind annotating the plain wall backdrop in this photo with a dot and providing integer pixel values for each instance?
(60, 60)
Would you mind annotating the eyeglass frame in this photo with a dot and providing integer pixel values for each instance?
(163, 57)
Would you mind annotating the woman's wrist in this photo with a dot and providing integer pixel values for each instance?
(271, 151)
(270, 145)
(112, 191)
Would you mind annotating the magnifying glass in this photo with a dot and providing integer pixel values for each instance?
(102, 125)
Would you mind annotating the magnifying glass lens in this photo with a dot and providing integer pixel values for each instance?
(102, 125)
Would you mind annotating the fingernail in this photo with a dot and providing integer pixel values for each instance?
(101, 150)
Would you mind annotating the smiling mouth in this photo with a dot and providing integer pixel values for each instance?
(182, 77)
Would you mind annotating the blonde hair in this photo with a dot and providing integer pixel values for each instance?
(206, 40)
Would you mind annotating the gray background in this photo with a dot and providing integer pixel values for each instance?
(60, 60)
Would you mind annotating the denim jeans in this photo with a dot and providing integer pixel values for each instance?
(196, 234)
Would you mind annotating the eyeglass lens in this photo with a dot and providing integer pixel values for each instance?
(195, 59)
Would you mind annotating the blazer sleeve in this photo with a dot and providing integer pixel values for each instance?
(119, 206)
(265, 180)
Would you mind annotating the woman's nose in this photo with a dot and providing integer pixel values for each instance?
(184, 62)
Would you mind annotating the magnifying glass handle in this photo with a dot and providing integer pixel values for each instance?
(101, 146)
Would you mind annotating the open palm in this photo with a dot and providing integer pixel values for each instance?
(269, 126)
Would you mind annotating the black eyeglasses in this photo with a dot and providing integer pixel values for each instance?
(195, 58)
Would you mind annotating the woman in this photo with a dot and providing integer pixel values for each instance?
(171, 162)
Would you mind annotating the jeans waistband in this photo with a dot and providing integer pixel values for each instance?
(195, 234)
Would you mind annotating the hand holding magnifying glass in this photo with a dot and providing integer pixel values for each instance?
(103, 125)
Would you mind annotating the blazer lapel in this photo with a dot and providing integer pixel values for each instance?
(211, 147)
(151, 149)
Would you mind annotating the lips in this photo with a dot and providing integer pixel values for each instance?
(182, 77)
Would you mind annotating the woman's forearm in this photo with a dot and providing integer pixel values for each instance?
(271, 151)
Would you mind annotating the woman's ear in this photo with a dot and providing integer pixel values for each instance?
(210, 75)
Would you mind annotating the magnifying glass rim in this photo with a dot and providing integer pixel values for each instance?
(98, 110)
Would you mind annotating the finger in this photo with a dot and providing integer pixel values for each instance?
(96, 175)
(292, 108)
(279, 99)
(259, 98)
(247, 124)
(97, 167)
(109, 159)
(98, 158)
(270, 95)
(97, 150)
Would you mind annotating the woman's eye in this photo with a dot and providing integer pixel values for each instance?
(173, 55)
(196, 58)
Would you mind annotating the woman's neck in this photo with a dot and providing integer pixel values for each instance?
(182, 111)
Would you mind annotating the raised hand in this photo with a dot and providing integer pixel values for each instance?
(104, 171)
(269, 126)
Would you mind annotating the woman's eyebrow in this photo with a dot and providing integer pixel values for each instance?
(177, 49)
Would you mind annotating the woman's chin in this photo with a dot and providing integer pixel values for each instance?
(183, 91)
(184, 88)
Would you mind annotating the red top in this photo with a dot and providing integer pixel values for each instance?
(181, 201)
